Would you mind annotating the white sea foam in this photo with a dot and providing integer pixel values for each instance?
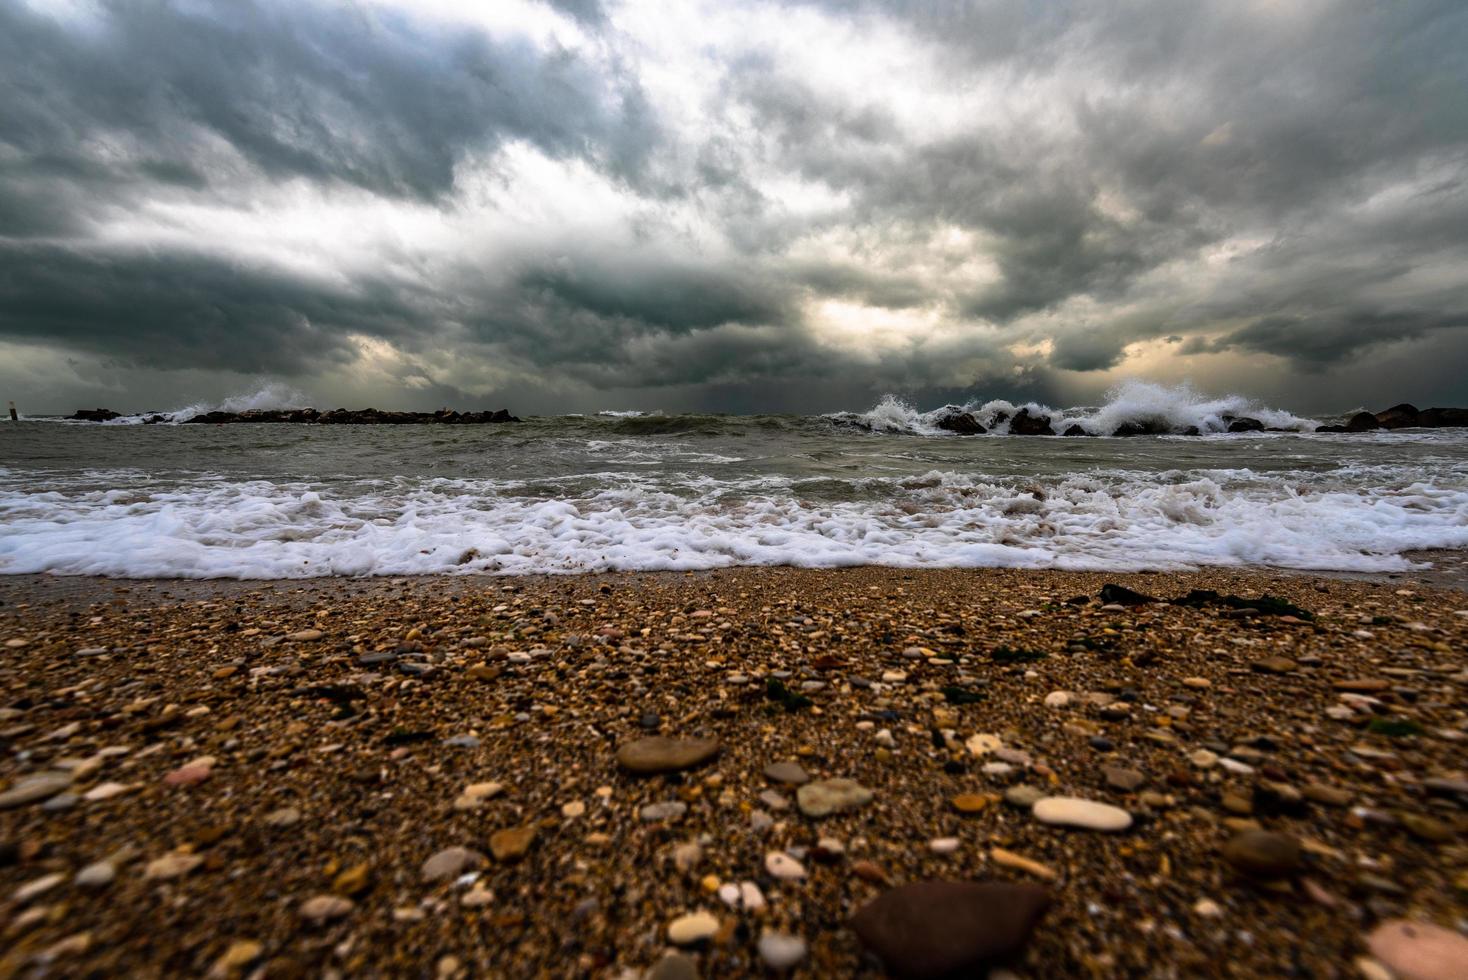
(1113, 520)
(1156, 407)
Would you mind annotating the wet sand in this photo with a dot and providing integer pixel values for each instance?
(236, 775)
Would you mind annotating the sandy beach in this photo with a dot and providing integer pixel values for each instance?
(420, 777)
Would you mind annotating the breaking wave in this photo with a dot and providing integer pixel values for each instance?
(1142, 406)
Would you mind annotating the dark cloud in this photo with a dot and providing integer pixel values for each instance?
(1228, 178)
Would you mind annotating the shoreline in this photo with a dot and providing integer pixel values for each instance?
(276, 774)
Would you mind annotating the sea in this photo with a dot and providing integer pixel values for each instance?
(624, 490)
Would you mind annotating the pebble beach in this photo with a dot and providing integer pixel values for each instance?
(860, 772)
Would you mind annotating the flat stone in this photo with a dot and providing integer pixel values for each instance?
(99, 874)
(671, 810)
(1123, 779)
(511, 844)
(647, 756)
(784, 867)
(1327, 795)
(1420, 950)
(789, 773)
(1008, 859)
(1274, 665)
(304, 636)
(1264, 854)
(1023, 796)
(694, 927)
(286, 816)
(174, 865)
(944, 845)
(1070, 811)
(325, 908)
(932, 929)
(1363, 685)
(476, 794)
(829, 796)
(1426, 828)
(450, 863)
(673, 966)
(33, 789)
(983, 744)
(780, 951)
(969, 802)
(37, 887)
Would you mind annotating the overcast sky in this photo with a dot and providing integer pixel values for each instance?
(575, 205)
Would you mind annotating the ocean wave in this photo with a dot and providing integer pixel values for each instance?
(1094, 521)
(1132, 408)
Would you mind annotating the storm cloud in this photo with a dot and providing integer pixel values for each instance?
(572, 204)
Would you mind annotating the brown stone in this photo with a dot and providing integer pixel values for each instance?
(648, 756)
(511, 845)
(933, 929)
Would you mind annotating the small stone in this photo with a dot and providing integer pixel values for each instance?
(931, 929)
(1069, 811)
(1419, 950)
(240, 954)
(1207, 908)
(786, 772)
(1058, 699)
(673, 966)
(1237, 803)
(1274, 665)
(1204, 759)
(573, 809)
(781, 951)
(189, 775)
(694, 927)
(983, 744)
(1363, 685)
(784, 867)
(37, 887)
(943, 845)
(105, 791)
(829, 796)
(1123, 779)
(1023, 796)
(1264, 854)
(1327, 795)
(174, 865)
(475, 794)
(33, 789)
(304, 636)
(325, 908)
(353, 880)
(511, 845)
(477, 896)
(450, 863)
(1008, 859)
(969, 802)
(98, 874)
(647, 756)
(671, 810)
(686, 856)
(286, 816)
(1198, 682)
(1426, 828)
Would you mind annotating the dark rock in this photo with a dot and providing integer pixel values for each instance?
(1362, 422)
(1075, 430)
(1148, 428)
(1244, 424)
(961, 422)
(1123, 596)
(933, 929)
(342, 416)
(1402, 416)
(94, 415)
(1264, 855)
(1025, 424)
(1191, 430)
(1444, 418)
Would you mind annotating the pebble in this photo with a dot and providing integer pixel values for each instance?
(99, 874)
(694, 927)
(304, 636)
(1420, 950)
(37, 887)
(786, 772)
(670, 810)
(324, 908)
(511, 844)
(1008, 859)
(240, 954)
(191, 774)
(829, 796)
(32, 789)
(450, 863)
(286, 816)
(781, 951)
(1264, 854)
(931, 929)
(1023, 796)
(573, 809)
(983, 744)
(1123, 779)
(476, 793)
(1058, 699)
(784, 867)
(647, 756)
(1274, 665)
(969, 802)
(105, 791)
(1197, 682)
(1069, 811)
(673, 966)
(1204, 759)
(943, 845)
(174, 865)
(1207, 908)
(774, 800)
